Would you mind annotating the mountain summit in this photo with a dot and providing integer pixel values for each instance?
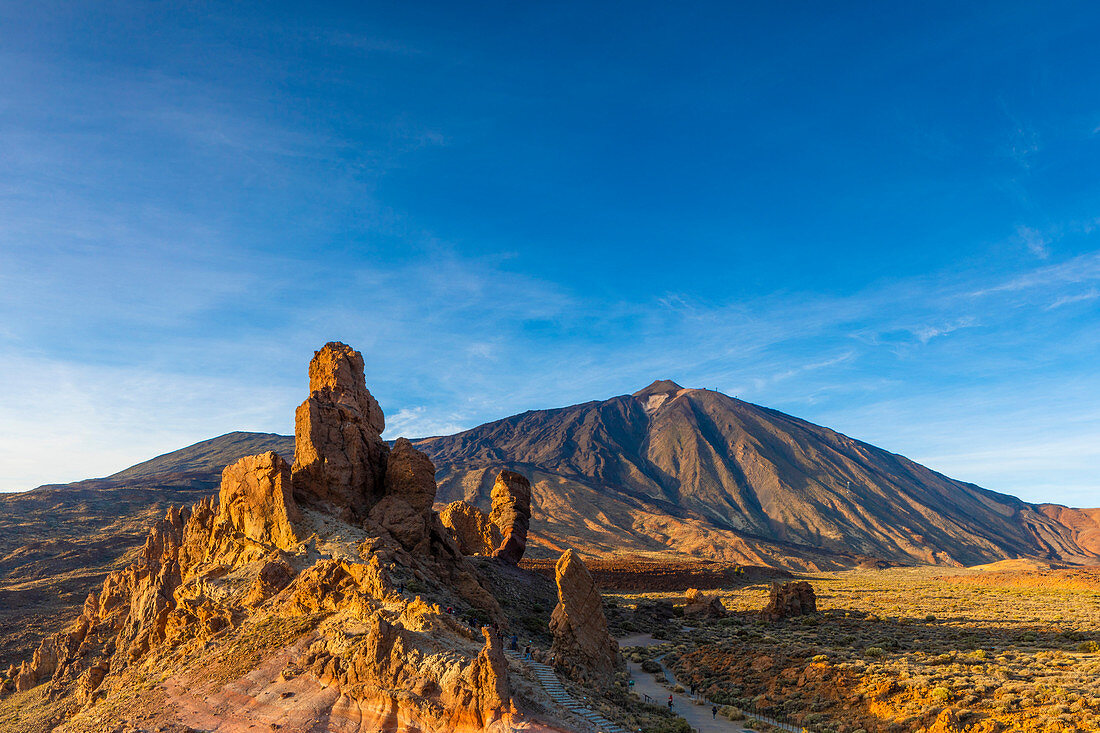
(659, 387)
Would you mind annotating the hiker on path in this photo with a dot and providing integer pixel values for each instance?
(714, 713)
(670, 702)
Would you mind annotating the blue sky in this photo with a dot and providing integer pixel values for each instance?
(882, 218)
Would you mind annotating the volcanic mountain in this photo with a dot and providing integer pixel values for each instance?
(693, 471)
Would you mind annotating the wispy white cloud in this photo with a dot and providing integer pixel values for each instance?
(1091, 294)
(418, 422)
(927, 333)
(1036, 242)
(1079, 269)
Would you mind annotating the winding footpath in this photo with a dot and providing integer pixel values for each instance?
(696, 714)
(550, 682)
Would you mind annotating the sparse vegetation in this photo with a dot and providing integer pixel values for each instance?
(892, 650)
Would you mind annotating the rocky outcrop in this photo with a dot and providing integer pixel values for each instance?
(471, 528)
(405, 511)
(511, 513)
(311, 560)
(256, 500)
(120, 623)
(410, 476)
(700, 605)
(790, 599)
(339, 454)
(582, 647)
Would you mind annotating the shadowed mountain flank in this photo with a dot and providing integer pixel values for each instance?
(205, 459)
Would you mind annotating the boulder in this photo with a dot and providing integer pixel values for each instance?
(946, 722)
(471, 528)
(256, 500)
(648, 614)
(511, 513)
(339, 454)
(582, 645)
(272, 578)
(790, 599)
(700, 605)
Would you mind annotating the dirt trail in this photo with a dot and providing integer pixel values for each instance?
(697, 716)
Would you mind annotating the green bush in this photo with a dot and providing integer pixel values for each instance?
(1089, 647)
(873, 651)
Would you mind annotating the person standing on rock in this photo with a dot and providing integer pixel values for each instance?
(670, 702)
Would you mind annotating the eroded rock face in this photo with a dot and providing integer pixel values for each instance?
(339, 454)
(790, 599)
(511, 513)
(257, 501)
(405, 510)
(410, 476)
(582, 646)
(471, 528)
(407, 525)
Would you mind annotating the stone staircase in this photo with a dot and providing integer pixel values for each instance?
(550, 682)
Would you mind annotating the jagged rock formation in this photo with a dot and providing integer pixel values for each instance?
(700, 605)
(256, 500)
(471, 528)
(583, 646)
(275, 566)
(790, 599)
(339, 454)
(511, 513)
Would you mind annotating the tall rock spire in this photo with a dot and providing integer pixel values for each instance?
(339, 454)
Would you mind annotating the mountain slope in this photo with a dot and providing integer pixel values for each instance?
(208, 457)
(697, 472)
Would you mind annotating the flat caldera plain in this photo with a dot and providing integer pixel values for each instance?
(1011, 647)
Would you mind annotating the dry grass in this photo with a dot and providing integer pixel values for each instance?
(891, 649)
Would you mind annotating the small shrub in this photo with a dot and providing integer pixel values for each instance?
(1089, 647)
(873, 651)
